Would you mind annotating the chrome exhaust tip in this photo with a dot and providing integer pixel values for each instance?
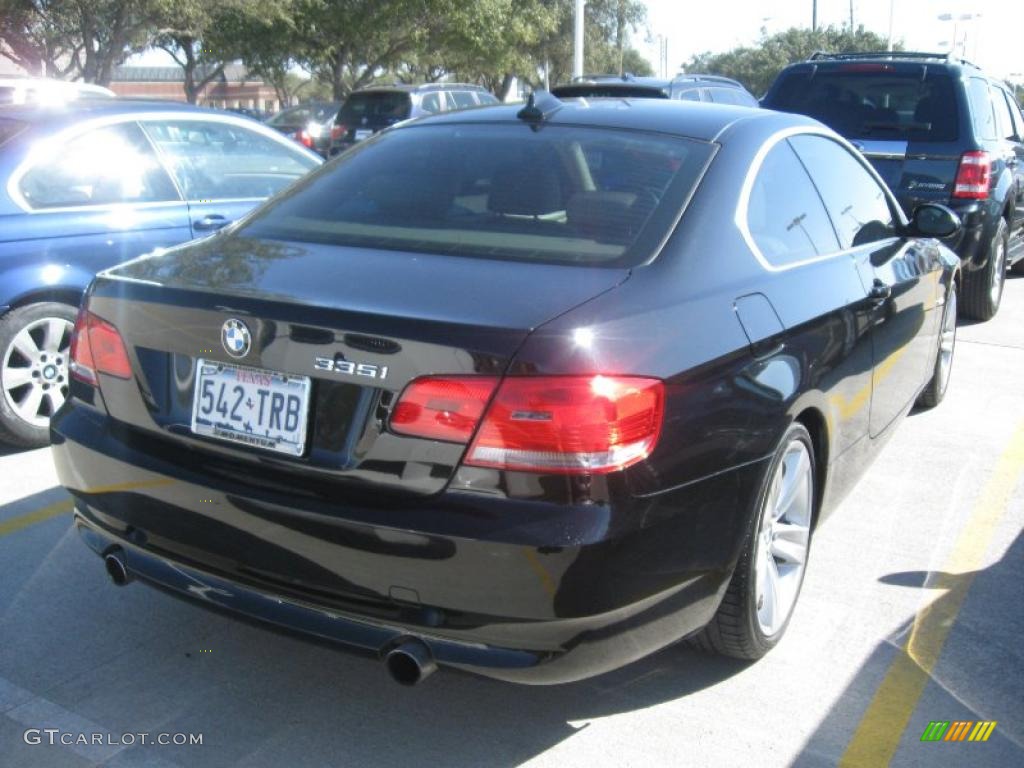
(410, 662)
(117, 568)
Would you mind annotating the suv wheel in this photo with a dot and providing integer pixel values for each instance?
(759, 601)
(983, 289)
(35, 341)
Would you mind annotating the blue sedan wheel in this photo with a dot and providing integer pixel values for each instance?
(35, 342)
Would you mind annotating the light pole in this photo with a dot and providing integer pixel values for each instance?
(891, 4)
(577, 50)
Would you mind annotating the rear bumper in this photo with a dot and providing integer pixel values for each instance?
(222, 594)
(972, 243)
(594, 589)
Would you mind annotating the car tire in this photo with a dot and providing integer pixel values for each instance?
(35, 344)
(744, 627)
(983, 289)
(937, 385)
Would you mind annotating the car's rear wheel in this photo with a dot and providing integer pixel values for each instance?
(983, 289)
(760, 599)
(936, 390)
(35, 341)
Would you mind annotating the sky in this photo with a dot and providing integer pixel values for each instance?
(994, 40)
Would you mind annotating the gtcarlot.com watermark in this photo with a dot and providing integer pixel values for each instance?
(55, 736)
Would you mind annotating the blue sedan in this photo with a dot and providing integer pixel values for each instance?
(89, 185)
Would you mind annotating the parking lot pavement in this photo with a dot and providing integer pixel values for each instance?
(911, 613)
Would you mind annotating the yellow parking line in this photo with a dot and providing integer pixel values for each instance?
(24, 521)
(886, 718)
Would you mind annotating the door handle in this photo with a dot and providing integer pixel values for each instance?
(213, 221)
(880, 291)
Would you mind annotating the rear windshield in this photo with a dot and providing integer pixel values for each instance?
(562, 194)
(609, 91)
(9, 129)
(376, 107)
(298, 115)
(874, 101)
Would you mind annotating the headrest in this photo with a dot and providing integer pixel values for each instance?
(606, 216)
(530, 189)
(410, 196)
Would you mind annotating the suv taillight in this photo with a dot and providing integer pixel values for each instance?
(97, 347)
(338, 131)
(555, 424)
(973, 176)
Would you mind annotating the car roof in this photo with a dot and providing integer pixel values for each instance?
(695, 78)
(697, 120)
(898, 60)
(423, 87)
(79, 109)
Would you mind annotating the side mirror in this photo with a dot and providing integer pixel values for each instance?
(934, 220)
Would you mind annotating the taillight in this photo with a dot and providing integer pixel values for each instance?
(338, 131)
(443, 408)
(973, 176)
(304, 138)
(570, 424)
(97, 347)
(561, 424)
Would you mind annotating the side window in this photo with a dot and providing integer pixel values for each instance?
(223, 161)
(784, 215)
(856, 203)
(1004, 123)
(463, 99)
(727, 96)
(1016, 116)
(981, 109)
(693, 94)
(112, 164)
(431, 102)
(487, 98)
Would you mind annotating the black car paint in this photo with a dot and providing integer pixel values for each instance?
(520, 576)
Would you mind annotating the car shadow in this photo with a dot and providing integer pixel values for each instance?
(7, 449)
(978, 676)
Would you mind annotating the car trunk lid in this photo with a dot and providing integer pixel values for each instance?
(360, 324)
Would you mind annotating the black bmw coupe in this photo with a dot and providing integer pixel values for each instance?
(527, 391)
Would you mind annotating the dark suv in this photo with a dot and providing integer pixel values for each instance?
(372, 109)
(720, 90)
(938, 130)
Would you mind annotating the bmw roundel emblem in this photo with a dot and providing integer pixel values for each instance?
(235, 337)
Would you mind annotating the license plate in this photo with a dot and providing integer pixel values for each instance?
(264, 409)
(360, 135)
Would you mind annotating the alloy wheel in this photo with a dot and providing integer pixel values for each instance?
(34, 370)
(784, 538)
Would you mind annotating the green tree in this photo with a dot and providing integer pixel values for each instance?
(75, 38)
(757, 66)
(203, 37)
(487, 41)
(606, 29)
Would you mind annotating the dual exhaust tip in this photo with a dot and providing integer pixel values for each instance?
(408, 661)
(117, 568)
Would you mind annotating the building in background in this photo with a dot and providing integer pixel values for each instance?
(234, 87)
